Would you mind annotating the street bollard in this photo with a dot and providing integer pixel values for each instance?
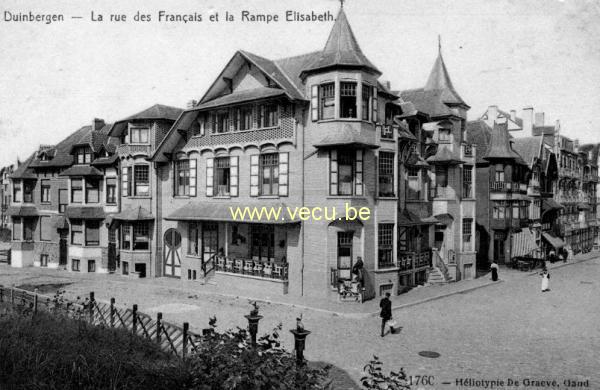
(91, 308)
(253, 319)
(299, 341)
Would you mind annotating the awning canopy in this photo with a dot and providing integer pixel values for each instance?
(348, 137)
(408, 218)
(134, 214)
(83, 212)
(445, 219)
(523, 243)
(553, 240)
(213, 211)
(583, 206)
(59, 222)
(81, 170)
(22, 211)
(550, 204)
(445, 156)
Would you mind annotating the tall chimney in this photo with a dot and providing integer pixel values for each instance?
(539, 119)
(528, 120)
(97, 124)
(191, 103)
(513, 115)
(387, 84)
(492, 114)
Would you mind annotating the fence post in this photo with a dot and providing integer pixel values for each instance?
(158, 326)
(12, 296)
(186, 327)
(112, 312)
(35, 303)
(91, 308)
(1, 294)
(134, 325)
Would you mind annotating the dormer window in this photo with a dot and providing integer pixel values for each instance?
(44, 157)
(138, 135)
(348, 100)
(83, 155)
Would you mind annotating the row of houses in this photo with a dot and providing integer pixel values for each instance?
(150, 195)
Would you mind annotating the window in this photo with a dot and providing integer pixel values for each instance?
(126, 237)
(444, 136)
(45, 228)
(43, 260)
(271, 118)
(125, 268)
(63, 200)
(91, 265)
(138, 135)
(467, 182)
(515, 209)
(45, 191)
(193, 239)
(17, 228)
(92, 190)
(524, 209)
(28, 228)
(76, 190)
(28, 187)
(346, 172)
(75, 264)
(262, 242)
(76, 232)
(348, 100)
(92, 233)
(385, 241)
(441, 180)
(467, 232)
(413, 186)
(17, 191)
(111, 190)
(245, 118)
(222, 176)
(327, 101)
(83, 155)
(141, 177)
(366, 98)
(141, 236)
(499, 173)
(499, 210)
(221, 124)
(386, 174)
(269, 174)
(182, 177)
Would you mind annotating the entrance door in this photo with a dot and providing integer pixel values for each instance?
(173, 253)
(62, 247)
(499, 239)
(344, 251)
(210, 240)
(112, 250)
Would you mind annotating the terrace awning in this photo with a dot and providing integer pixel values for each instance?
(228, 212)
(134, 214)
(81, 212)
(556, 242)
(22, 211)
(523, 243)
(445, 219)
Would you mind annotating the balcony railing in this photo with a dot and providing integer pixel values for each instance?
(257, 268)
(411, 260)
(387, 132)
(499, 186)
(134, 150)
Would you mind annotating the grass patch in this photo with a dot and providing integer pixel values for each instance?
(47, 288)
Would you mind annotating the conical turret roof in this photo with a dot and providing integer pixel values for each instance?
(439, 80)
(500, 147)
(341, 49)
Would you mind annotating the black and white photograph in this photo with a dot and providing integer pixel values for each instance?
(325, 194)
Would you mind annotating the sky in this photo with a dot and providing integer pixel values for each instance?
(55, 78)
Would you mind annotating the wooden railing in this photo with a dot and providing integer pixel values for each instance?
(171, 338)
(439, 263)
(258, 268)
(498, 185)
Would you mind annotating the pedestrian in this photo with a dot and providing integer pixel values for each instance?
(494, 268)
(386, 311)
(552, 256)
(565, 254)
(357, 271)
(545, 280)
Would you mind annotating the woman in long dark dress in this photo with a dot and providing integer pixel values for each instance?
(494, 268)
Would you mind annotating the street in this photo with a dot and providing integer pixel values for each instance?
(505, 332)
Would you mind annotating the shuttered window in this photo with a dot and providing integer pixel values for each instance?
(254, 174)
(333, 173)
(374, 105)
(314, 103)
(209, 176)
(283, 173)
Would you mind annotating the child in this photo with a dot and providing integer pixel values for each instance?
(545, 280)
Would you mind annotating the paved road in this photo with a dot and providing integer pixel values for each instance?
(505, 331)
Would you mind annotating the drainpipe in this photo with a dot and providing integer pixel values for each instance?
(302, 225)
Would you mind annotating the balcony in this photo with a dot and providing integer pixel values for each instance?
(412, 260)
(499, 186)
(134, 150)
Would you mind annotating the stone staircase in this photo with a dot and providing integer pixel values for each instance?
(437, 277)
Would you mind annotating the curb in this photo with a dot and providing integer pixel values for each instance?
(565, 265)
(441, 296)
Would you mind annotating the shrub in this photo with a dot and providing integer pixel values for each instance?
(375, 379)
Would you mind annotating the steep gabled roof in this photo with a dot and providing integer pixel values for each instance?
(529, 148)
(500, 145)
(439, 80)
(479, 134)
(154, 113)
(24, 170)
(341, 49)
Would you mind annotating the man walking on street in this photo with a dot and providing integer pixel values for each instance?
(386, 311)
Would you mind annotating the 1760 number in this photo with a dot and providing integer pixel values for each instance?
(424, 380)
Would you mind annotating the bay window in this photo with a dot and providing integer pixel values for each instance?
(366, 100)
(141, 178)
(346, 172)
(348, 100)
(327, 101)
(135, 236)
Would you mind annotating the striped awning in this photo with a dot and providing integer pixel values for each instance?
(556, 242)
(523, 243)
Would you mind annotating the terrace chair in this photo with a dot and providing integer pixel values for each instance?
(238, 266)
(248, 266)
(220, 263)
(258, 267)
(277, 271)
(229, 265)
